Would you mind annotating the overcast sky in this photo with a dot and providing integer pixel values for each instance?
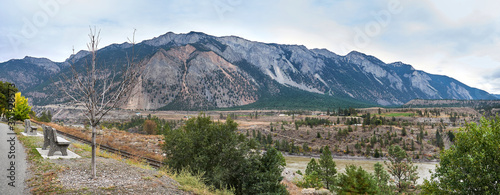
(457, 38)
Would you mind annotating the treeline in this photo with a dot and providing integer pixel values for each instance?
(376, 121)
(312, 122)
(429, 112)
(266, 141)
(342, 112)
(151, 125)
(46, 116)
(322, 173)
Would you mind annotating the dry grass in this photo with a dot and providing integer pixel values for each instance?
(136, 144)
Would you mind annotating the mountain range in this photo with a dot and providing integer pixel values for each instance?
(199, 71)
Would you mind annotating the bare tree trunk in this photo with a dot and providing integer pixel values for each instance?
(93, 153)
(100, 89)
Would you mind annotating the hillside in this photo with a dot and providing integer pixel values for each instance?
(477, 104)
(196, 71)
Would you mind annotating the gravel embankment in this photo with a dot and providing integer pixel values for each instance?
(114, 177)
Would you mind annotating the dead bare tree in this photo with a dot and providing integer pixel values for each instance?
(98, 88)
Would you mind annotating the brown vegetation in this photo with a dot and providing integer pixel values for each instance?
(137, 144)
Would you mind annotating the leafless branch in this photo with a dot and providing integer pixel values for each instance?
(96, 87)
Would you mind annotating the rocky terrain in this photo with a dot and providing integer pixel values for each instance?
(196, 71)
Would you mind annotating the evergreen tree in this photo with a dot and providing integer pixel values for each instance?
(439, 140)
(6, 90)
(328, 168)
(311, 179)
(312, 166)
(401, 168)
(263, 174)
(382, 178)
(305, 147)
(451, 136)
(356, 180)
(269, 139)
(412, 145)
(376, 154)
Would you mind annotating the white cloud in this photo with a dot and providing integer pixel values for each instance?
(442, 37)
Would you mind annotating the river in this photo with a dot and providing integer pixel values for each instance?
(294, 163)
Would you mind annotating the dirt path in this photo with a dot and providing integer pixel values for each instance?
(12, 162)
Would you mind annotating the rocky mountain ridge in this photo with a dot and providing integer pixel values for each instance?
(199, 71)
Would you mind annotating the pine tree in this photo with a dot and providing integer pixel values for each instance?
(376, 154)
(382, 178)
(356, 180)
(328, 168)
(439, 140)
(311, 178)
(401, 168)
(305, 147)
(269, 139)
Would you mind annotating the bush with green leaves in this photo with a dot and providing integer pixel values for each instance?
(226, 159)
(5, 89)
(472, 164)
(21, 107)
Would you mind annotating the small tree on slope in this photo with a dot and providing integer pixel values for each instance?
(98, 88)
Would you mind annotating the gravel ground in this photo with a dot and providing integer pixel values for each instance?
(113, 177)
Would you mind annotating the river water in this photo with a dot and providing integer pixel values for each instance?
(294, 163)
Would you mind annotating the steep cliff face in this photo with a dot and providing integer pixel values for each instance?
(199, 71)
(355, 75)
(186, 78)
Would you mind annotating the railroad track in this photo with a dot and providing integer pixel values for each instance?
(152, 162)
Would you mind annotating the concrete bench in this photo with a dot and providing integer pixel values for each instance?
(55, 142)
(28, 129)
(46, 137)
